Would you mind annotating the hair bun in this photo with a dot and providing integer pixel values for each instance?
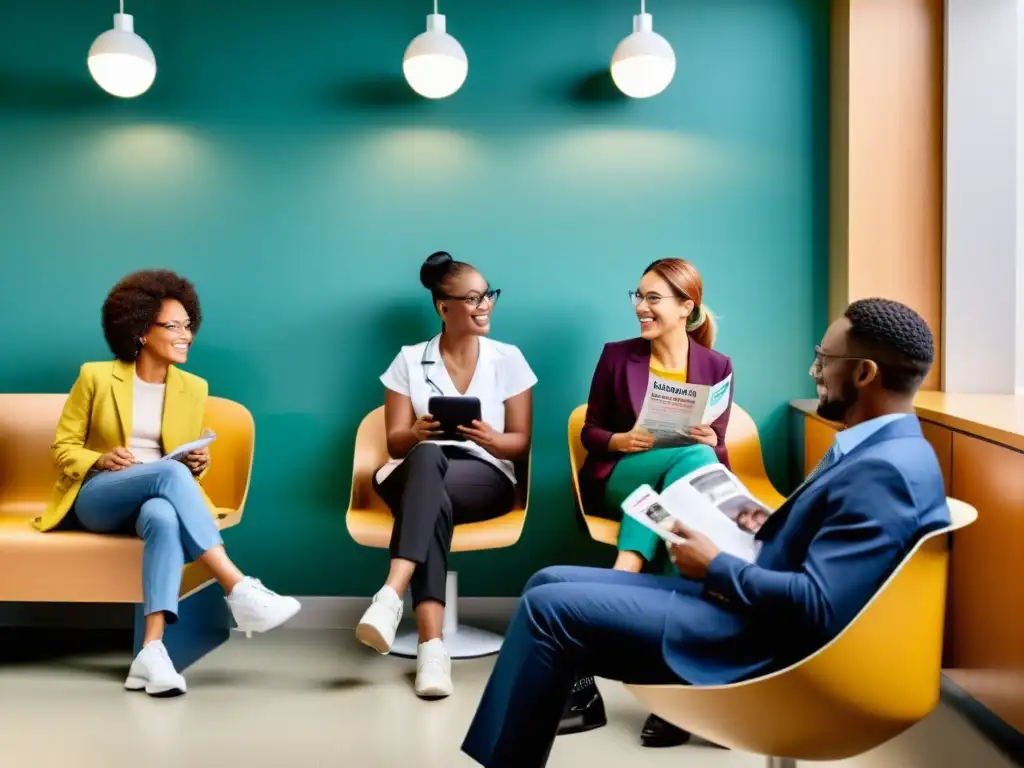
(434, 269)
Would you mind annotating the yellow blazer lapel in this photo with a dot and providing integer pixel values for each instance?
(177, 404)
(123, 387)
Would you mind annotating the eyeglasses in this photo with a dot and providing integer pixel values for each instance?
(820, 357)
(474, 300)
(176, 327)
(652, 299)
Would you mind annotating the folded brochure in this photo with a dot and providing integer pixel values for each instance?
(670, 408)
(708, 500)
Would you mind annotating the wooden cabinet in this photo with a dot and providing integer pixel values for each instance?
(941, 439)
(988, 577)
(818, 438)
(984, 640)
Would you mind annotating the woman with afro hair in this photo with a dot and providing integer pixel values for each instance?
(120, 420)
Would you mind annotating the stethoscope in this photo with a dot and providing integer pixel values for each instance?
(426, 371)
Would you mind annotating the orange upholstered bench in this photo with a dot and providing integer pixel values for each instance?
(79, 567)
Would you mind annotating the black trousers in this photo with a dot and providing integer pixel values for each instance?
(432, 491)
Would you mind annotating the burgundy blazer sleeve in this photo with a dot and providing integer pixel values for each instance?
(722, 422)
(600, 406)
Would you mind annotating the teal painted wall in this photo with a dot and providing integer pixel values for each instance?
(280, 162)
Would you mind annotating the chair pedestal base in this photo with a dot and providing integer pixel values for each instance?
(464, 643)
(780, 762)
(460, 641)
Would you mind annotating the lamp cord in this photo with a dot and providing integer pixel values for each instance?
(643, 7)
(122, 7)
(435, 7)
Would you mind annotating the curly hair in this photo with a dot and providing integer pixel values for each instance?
(898, 336)
(133, 305)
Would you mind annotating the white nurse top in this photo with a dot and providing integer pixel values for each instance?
(501, 373)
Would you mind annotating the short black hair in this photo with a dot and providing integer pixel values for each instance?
(133, 305)
(896, 337)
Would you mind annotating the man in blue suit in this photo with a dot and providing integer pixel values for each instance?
(824, 553)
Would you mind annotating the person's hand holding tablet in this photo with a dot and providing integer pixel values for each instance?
(481, 433)
(426, 428)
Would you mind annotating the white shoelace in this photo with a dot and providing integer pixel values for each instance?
(260, 593)
(437, 661)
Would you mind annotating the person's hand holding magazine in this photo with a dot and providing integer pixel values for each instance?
(693, 555)
(638, 440)
(703, 434)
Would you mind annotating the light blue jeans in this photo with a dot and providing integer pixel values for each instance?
(170, 516)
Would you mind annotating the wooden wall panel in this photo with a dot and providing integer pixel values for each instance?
(886, 156)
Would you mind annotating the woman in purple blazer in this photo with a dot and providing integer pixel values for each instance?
(676, 335)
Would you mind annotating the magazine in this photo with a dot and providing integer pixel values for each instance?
(670, 408)
(710, 500)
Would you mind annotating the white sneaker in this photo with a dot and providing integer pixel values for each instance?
(258, 609)
(380, 622)
(154, 672)
(433, 671)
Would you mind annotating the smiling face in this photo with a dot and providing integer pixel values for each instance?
(659, 308)
(839, 376)
(467, 310)
(170, 337)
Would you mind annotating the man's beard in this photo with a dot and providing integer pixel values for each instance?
(836, 408)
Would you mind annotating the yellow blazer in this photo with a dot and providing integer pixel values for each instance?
(98, 418)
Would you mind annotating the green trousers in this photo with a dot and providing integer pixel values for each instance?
(659, 469)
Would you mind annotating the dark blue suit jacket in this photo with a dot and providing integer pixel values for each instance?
(825, 553)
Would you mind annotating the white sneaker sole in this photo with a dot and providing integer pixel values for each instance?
(268, 624)
(156, 691)
(435, 691)
(369, 635)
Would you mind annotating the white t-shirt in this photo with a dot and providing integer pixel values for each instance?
(147, 421)
(501, 373)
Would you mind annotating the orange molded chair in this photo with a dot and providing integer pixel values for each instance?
(744, 454)
(79, 567)
(880, 676)
(369, 522)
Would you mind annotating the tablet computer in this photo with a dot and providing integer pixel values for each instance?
(452, 413)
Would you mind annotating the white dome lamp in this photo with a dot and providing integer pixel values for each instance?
(644, 63)
(121, 62)
(434, 64)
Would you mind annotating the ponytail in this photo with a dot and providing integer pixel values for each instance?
(702, 326)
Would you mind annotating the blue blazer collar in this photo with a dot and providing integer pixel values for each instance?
(901, 428)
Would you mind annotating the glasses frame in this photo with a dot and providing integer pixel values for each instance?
(491, 295)
(638, 298)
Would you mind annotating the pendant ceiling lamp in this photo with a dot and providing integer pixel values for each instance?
(644, 63)
(435, 65)
(120, 61)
